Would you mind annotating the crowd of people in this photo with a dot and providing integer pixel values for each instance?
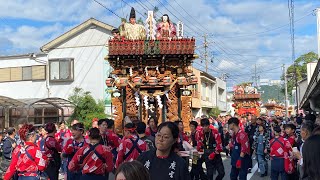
(156, 151)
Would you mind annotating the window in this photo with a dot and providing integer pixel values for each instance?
(203, 91)
(61, 69)
(27, 73)
(23, 73)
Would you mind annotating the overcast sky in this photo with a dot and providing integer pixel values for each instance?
(241, 33)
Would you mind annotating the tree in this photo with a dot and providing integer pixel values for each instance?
(86, 108)
(299, 68)
(215, 111)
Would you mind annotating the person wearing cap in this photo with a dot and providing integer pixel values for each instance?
(130, 142)
(132, 30)
(279, 151)
(240, 151)
(52, 150)
(209, 141)
(94, 160)
(27, 159)
(8, 146)
(72, 146)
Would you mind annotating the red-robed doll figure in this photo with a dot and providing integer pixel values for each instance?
(27, 159)
(166, 29)
(93, 160)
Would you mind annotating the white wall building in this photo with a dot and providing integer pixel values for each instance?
(74, 59)
(210, 92)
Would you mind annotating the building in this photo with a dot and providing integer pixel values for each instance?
(210, 92)
(74, 59)
(310, 101)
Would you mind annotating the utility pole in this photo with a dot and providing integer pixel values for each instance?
(286, 89)
(205, 45)
(255, 77)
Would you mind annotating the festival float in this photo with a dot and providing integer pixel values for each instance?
(151, 71)
(246, 99)
(274, 108)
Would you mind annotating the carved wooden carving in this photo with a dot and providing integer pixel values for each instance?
(186, 113)
(132, 109)
(117, 113)
(172, 104)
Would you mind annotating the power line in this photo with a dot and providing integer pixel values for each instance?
(107, 8)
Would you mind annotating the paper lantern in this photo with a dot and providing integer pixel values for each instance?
(123, 82)
(153, 81)
(193, 80)
(166, 81)
(109, 82)
(182, 80)
(137, 81)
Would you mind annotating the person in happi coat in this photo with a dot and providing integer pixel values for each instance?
(72, 146)
(153, 125)
(133, 170)
(94, 160)
(261, 148)
(209, 141)
(291, 137)
(240, 151)
(131, 145)
(182, 135)
(103, 126)
(251, 130)
(27, 159)
(52, 150)
(196, 172)
(163, 163)
(279, 151)
(112, 138)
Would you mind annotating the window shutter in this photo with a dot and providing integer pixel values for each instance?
(38, 72)
(16, 74)
(4, 74)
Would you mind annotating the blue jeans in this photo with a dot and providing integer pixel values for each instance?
(28, 178)
(263, 164)
(243, 171)
(277, 169)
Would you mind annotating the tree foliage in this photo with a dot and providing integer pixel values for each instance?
(86, 108)
(299, 68)
(215, 111)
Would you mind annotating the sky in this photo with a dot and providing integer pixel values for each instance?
(243, 36)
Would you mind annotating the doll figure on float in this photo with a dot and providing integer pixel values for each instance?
(132, 30)
(166, 29)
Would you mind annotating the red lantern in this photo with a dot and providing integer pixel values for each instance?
(109, 82)
(153, 81)
(137, 81)
(182, 80)
(123, 82)
(166, 81)
(193, 80)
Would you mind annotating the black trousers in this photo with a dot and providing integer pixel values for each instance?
(52, 170)
(213, 165)
(197, 172)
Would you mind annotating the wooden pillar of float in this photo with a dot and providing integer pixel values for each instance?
(186, 112)
(117, 113)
